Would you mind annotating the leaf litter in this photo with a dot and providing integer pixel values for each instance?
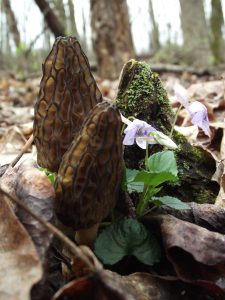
(193, 240)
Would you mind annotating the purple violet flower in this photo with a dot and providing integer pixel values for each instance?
(199, 115)
(142, 132)
(138, 131)
(196, 109)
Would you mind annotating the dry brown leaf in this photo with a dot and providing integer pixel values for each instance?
(211, 91)
(190, 132)
(34, 189)
(219, 171)
(223, 182)
(12, 140)
(222, 145)
(148, 287)
(103, 285)
(8, 182)
(220, 200)
(94, 285)
(208, 216)
(10, 115)
(108, 88)
(19, 92)
(142, 286)
(20, 264)
(197, 254)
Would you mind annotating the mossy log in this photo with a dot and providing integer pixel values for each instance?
(142, 95)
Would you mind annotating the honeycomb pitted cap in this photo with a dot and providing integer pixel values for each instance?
(90, 172)
(68, 92)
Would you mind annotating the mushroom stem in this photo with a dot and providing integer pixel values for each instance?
(87, 236)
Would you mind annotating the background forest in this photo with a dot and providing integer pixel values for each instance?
(174, 32)
(130, 164)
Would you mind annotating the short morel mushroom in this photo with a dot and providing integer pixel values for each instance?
(68, 91)
(89, 176)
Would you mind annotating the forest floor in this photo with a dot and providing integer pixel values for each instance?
(17, 99)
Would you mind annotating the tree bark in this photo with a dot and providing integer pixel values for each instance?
(12, 22)
(195, 32)
(216, 24)
(111, 35)
(51, 19)
(154, 35)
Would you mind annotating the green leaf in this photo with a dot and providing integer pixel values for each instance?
(152, 191)
(154, 178)
(135, 187)
(51, 176)
(124, 238)
(163, 162)
(131, 173)
(171, 202)
(132, 186)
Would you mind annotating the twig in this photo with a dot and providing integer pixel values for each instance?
(75, 249)
(22, 151)
(130, 206)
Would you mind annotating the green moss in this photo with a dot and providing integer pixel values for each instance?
(140, 95)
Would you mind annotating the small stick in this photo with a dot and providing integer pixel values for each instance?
(130, 206)
(75, 249)
(22, 151)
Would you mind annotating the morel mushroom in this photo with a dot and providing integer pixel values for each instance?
(89, 175)
(68, 92)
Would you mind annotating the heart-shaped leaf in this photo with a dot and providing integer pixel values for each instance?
(171, 202)
(163, 162)
(124, 238)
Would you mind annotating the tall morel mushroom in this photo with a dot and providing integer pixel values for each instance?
(68, 91)
(89, 175)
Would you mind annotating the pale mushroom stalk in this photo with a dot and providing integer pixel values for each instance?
(87, 236)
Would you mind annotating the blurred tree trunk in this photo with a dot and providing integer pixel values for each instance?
(195, 32)
(216, 24)
(1, 28)
(154, 35)
(72, 23)
(60, 11)
(111, 35)
(83, 38)
(53, 22)
(12, 23)
(7, 39)
(47, 38)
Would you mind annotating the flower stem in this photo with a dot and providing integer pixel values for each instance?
(146, 157)
(175, 120)
(142, 202)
